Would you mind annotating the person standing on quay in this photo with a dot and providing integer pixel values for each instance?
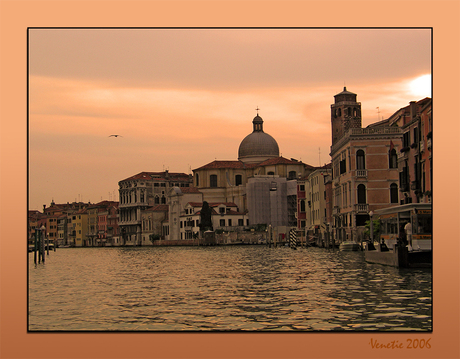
(408, 229)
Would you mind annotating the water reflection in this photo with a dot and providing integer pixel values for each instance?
(224, 288)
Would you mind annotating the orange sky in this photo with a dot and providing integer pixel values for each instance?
(184, 97)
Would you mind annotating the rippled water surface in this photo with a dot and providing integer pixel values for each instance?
(224, 288)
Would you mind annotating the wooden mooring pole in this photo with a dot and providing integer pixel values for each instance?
(36, 245)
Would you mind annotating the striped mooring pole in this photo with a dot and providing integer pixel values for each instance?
(293, 238)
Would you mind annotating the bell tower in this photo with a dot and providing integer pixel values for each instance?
(345, 114)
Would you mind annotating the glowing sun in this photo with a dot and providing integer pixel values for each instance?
(421, 86)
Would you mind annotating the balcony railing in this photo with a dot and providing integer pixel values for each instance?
(383, 130)
(362, 208)
(361, 173)
(127, 223)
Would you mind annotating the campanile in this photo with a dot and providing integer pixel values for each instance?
(345, 114)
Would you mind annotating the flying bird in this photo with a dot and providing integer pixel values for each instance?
(115, 136)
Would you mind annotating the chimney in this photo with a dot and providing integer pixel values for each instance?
(413, 110)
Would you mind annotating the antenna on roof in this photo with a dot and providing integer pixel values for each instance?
(378, 113)
(319, 154)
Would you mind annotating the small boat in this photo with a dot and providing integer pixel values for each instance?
(349, 246)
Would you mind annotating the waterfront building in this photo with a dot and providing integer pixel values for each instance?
(414, 159)
(80, 225)
(364, 167)
(301, 206)
(224, 217)
(153, 219)
(62, 227)
(272, 200)
(35, 220)
(98, 223)
(137, 193)
(178, 200)
(112, 231)
(317, 223)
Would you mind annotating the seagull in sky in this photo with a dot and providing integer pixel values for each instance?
(115, 136)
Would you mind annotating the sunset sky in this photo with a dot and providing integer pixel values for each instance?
(182, 98)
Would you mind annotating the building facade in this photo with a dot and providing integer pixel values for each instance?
(365, 174)
(137, 193)
(414, 158)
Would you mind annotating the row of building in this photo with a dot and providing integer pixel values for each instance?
(386, 164)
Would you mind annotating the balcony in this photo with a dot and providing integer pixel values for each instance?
(129, 223)
(362, 208)
(361, 173)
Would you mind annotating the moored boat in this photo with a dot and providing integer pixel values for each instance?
(349, 246)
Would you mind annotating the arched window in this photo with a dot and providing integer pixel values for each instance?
(197, 180)
(340, 112)
(361, 194)
(292, 175)
(157, 200)
(213, 181)
(271, 173)
(393, 159)
(349, 111)
(360, 160)
(163, 200)
(238, 180)
(394, 193)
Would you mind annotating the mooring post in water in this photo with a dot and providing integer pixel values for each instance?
(35, 246)
(42, 243)
(39, 245)
(48, 245)
(293, 238)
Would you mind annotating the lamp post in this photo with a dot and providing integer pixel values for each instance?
(371, 213)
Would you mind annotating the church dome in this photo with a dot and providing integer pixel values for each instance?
(258, 146)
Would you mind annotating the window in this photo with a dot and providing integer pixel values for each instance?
(241, 222)
(222, 222)
(238, 180)
(406, 139)
(361, 193)
(302, 188)
(343, 166)
(197, 180)
(213, 181)
(393, 158)
(393, 193)
(360, 160)
(292, 175)
(271, 173)
(229, 222)
(302, 205)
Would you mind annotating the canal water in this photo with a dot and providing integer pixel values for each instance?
(224, 288)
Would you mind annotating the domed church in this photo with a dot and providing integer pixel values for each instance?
(259, 161)
(258, 146)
